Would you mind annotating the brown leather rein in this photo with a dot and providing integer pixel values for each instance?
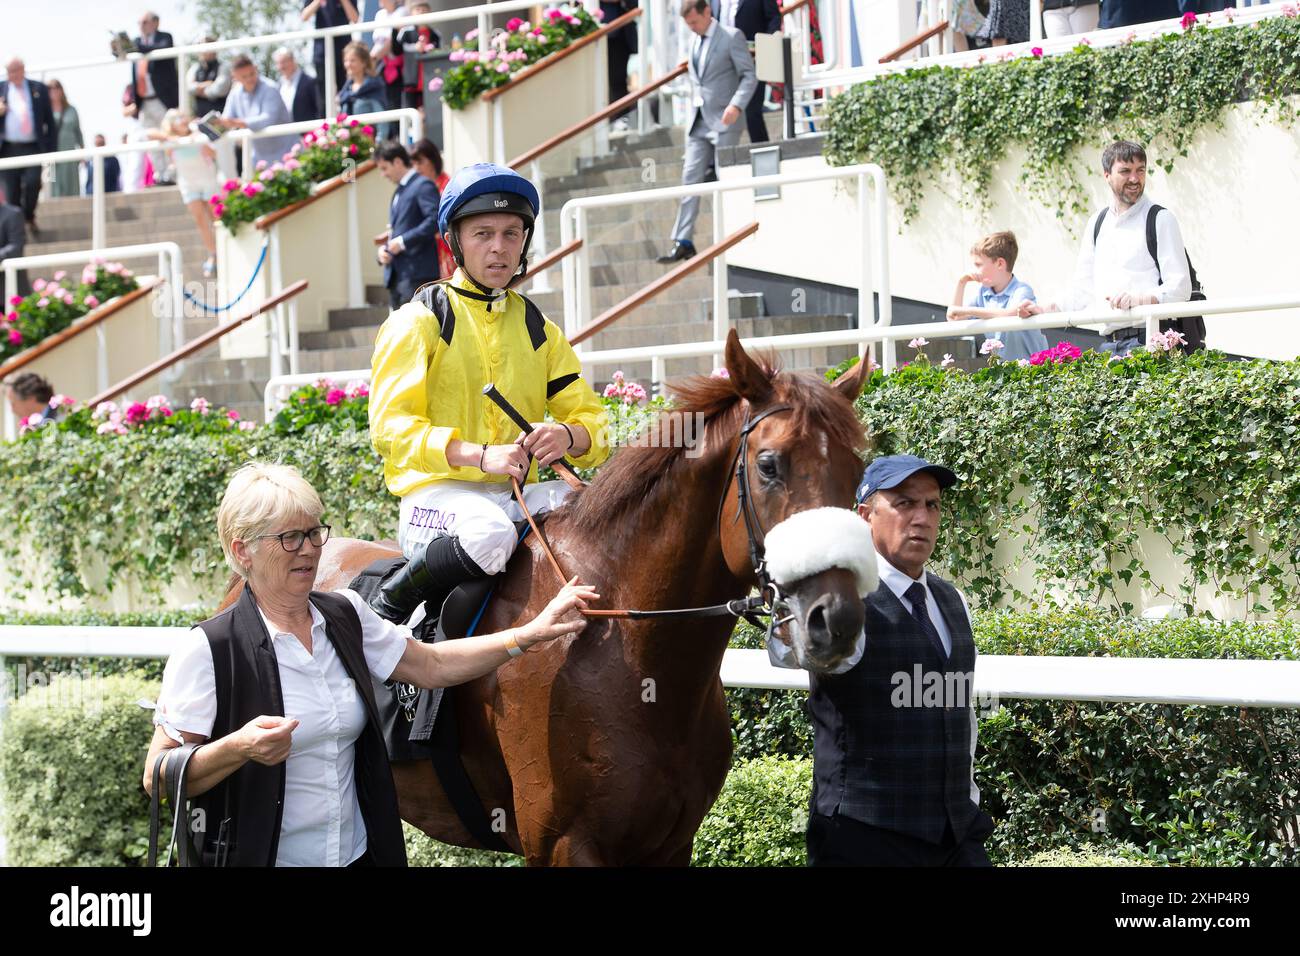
(768, 602)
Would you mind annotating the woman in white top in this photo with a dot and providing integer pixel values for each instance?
(195, 163)
(270, 530)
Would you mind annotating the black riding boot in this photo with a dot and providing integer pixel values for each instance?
(429, 576)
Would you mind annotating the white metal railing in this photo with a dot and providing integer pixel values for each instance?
(1147, 315)
(1138, 680)
(407, 119)
(873, 236)
(171, 328)
(330, 35)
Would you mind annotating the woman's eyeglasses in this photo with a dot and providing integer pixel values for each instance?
(292, 540)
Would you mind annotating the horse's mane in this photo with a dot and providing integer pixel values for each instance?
(635, 477)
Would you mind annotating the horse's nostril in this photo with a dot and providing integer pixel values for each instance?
(817, 621)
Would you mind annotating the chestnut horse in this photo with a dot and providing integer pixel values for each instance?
(608, 747)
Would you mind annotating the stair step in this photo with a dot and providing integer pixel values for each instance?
(350, 338)
(368, 317)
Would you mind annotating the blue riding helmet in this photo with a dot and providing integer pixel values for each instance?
(487, 187)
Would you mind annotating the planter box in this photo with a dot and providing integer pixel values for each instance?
(532, 110)
(136, 337)
(313, 245)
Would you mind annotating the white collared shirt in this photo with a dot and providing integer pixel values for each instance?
(729, 8)
(898, 582)
(289, 89)
(700, 49)
(18, 99)
(1120, 262)
(321, 822)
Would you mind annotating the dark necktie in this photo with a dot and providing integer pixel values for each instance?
(916, 595)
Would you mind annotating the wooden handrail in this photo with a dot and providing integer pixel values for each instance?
(329, 186)
(549, 61)
(550, 260)
(915, 41)
(637, 299)
(202, 342)
(612, 109)
(83, 324)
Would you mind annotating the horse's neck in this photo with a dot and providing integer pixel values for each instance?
(683, 544)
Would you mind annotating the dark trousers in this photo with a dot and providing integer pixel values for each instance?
(402, 291)
(754, 115)
(617, 55)
(21, 186)
(843, 841)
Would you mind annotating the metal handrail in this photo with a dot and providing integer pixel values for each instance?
(272, 304)
(664, 282)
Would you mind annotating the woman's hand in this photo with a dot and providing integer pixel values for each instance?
(267, 740)
(558, 618)
(509, 460)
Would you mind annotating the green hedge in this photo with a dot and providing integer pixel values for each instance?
(71, 763)
(956, 125)
(1088, 453)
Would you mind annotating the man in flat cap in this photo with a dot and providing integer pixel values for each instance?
(894, 735)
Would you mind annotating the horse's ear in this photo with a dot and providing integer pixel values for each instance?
(850, 383)
(749, 378)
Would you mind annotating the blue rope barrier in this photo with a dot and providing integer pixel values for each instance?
(235, 301)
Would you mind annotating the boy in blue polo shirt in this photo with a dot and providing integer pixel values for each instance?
(1000, 294)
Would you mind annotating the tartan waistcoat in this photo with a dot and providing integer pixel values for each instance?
(892, 736)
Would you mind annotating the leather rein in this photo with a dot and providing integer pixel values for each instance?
(768, 603)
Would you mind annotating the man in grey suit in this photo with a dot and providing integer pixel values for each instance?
(723, 80)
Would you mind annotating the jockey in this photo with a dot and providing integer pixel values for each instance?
(449, 453)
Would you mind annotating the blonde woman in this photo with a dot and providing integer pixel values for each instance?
(295, 772)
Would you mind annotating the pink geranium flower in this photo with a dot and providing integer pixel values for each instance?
(1036, 52)
(60, 275)
(15, 300)
(42, 302)
(218, 210)
(137, 413)
(92, 302)
(503, 67)
(344, 134)
(1189, 20)
(15, 337)
(435, 84)
(368, 130)
(991, 346)
(919, 342)
(200, 406)
(334, 396)
(247, 426)
(352, 150)
(39, 285)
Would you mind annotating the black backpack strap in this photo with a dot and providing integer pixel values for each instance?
(433, 296)
(1153, 249)
(1096, 227)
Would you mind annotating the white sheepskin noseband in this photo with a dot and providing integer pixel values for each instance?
(809, 542)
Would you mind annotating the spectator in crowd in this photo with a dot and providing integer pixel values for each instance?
(1000, 294)
(387, 54)
(297, 89)
(751, 17)
(155, 88)
(28, 129)
(13, 240)
(1063, 18)
(893, 780)
(1008, 22)
(722, 82)
(195, 163)
(208, 81)
(30, 394)
(414, 41)
(67, 178)
(112, 171)
(426, 160)
(362, 91)
(410, 253)
(1127, 13)
(254, 103)
(619, 48)
(967, 21)
(328, 13)
(1117, 266)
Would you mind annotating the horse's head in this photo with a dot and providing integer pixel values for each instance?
(801, 466)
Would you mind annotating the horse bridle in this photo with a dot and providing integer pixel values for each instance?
(768, 603)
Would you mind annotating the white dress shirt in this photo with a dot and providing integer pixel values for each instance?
(729, 8)
(1120, 262)
(321, 822)
(289, 89)
(700, 53)
(18, 100)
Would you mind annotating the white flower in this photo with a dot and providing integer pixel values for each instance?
(991, 346)
(918, 342)
(947, 360)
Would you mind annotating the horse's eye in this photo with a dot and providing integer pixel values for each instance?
(769, 465)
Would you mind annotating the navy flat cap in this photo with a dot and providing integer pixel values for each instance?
(889, 471)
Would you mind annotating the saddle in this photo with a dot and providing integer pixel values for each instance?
(415, 724)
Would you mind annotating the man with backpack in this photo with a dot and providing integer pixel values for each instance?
(1132, 254)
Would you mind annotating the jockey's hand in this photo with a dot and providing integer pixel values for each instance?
(509, 460)
(547, 442)
(560, 617)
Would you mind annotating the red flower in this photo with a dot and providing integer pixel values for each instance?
(1189, 20)
(334, 396)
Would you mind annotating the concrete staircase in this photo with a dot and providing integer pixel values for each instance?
(623, 246)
